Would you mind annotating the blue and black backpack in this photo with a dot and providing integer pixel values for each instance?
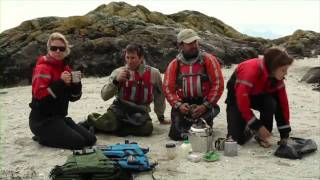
(129, 156)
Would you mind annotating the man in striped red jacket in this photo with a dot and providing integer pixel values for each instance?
(193, 84)
(259, 84)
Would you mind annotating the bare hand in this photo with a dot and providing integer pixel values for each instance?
(123, 75)
(264, 133)
(184, 108)
(66, 77)
(198, 111)
(265, 136)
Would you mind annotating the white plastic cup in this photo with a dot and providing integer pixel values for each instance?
(171, 150)
(76, 76)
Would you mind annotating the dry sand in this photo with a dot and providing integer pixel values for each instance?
(22, 158)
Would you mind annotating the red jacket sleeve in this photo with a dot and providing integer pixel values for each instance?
(45, 85)
(243, 86)
(216, 78)
(243, 102)
(284, 103)
(41, 78)
(283, 123)
(169, 84)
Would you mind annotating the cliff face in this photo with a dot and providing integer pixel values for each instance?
(99, 37)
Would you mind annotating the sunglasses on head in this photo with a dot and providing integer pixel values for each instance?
(55, 48)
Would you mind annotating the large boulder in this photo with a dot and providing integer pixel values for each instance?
(301, 44)
(313, 76)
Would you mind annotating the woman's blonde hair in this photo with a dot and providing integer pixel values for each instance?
(61, 37)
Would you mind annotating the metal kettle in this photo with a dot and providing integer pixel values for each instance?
(201, 137)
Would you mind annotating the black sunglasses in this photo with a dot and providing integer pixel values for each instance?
(55, 48)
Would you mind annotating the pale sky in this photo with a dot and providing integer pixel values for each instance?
(254, 17)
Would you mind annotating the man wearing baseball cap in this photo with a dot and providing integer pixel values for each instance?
(193, 84)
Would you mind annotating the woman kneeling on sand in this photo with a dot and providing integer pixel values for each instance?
(259, 84)
(53, 87)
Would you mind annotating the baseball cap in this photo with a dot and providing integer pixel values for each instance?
(187, 36)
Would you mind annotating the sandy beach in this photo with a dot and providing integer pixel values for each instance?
(22, 158)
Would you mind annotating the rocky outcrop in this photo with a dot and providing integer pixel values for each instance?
(99, 37)
(301, 44)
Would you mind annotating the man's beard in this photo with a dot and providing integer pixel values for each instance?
(191, 54)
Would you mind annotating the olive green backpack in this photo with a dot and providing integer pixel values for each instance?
(88, 165)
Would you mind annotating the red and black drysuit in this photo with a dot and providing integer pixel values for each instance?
(198, 81)
(49, 107)
(251, 87)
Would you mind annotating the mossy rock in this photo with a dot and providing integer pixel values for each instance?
(201, 22)
(139, 14)
(304, 36)
(109, 31)
(37, 24)
(42, 38)
(297, 48)
(296, 35)
(83, 32)
(102, 44)
(74, 22)
(29, 25)
(156, 18)
(35, 34)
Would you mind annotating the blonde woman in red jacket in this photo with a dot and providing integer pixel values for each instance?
(259, 84)
(53, 87)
